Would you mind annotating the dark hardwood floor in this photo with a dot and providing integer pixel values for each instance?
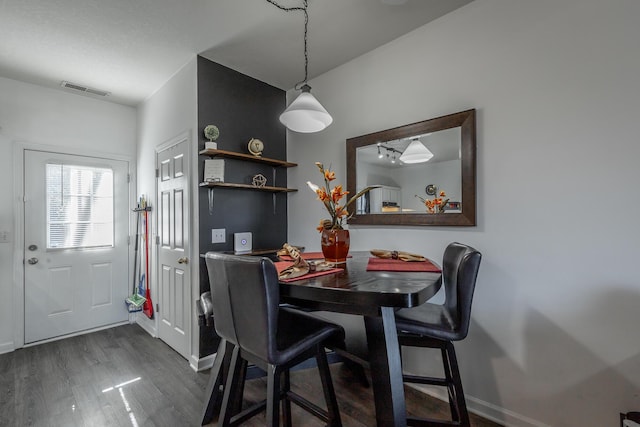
(78, 382)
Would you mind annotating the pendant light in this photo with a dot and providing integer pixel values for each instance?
(416, 152)
(305, 114)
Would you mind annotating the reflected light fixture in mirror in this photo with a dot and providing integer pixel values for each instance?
(390, 157)
(305, 114)
(416, 152)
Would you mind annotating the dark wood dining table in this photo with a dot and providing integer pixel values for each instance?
(375, 295)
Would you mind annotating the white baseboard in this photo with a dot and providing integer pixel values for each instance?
(6, 347)
(484, 409)
(75, 334)
(147, 325)
(203, 363)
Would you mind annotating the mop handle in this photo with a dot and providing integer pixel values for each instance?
(135, 258)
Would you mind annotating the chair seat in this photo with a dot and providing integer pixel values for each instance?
(299, 332)
(429, 320)
(437, 326)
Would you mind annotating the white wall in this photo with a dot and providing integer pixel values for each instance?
(37, 115)
(554, 337)
(370, 174)
(446, 176)
(167, 114)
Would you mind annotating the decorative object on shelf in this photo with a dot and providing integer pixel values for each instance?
(436, 205)
(259, 180)
(255, 147)
(305, 114)
(216, 179)
(211, 132)
(214, 170)
(335, 246)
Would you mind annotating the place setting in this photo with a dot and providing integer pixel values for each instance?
(296, 265)
(390, 260)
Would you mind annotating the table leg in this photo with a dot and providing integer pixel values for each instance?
(213, 394)
(386, 369)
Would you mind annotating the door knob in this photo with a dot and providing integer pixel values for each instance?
(183, 260)
(32, 261)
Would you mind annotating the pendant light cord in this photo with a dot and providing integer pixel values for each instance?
(299, 85)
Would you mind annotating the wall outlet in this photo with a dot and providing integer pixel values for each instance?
(5, 236)
(218, 235)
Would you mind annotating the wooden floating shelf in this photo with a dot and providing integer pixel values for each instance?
(247, 187)
(247, 157)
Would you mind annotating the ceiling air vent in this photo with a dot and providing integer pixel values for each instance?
(80, 88)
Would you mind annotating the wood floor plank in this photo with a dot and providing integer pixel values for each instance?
(7, 388)
(73, 382)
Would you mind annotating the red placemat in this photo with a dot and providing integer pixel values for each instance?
(281, 265)
(306, 255)
(379, 264)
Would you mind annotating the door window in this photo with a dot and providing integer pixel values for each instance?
(79, 206)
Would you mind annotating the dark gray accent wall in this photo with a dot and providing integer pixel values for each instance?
(242, 108)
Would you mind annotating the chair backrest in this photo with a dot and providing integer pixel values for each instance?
(245, 295)
(460, 264)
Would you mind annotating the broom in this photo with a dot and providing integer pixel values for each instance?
(148, 305)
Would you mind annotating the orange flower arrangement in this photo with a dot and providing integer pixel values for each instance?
(439, 202)
(331, 197)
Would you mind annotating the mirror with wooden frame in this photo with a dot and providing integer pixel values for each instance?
(437, 191)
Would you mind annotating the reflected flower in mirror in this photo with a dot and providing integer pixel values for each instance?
(437, 204)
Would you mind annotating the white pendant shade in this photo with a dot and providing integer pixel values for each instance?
(306, 115)
(416, 152)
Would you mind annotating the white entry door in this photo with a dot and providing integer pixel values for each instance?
(75, 243)
(173, 250)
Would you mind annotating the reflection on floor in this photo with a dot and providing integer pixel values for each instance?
(124, 377)
(355, 400)
(116, 377)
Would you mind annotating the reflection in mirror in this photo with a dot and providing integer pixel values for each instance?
(439, 190)
(404, 184)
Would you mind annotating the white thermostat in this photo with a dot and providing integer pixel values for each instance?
(241, 243)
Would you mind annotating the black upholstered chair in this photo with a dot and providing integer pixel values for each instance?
(437, 326)
(245, 296)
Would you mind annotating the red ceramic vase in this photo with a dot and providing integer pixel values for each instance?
(335, 245)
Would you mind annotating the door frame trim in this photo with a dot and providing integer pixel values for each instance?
(19, 148)
(191, 217)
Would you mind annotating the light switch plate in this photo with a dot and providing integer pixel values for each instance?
(218, 235)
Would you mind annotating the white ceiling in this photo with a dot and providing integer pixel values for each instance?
(130, 48)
